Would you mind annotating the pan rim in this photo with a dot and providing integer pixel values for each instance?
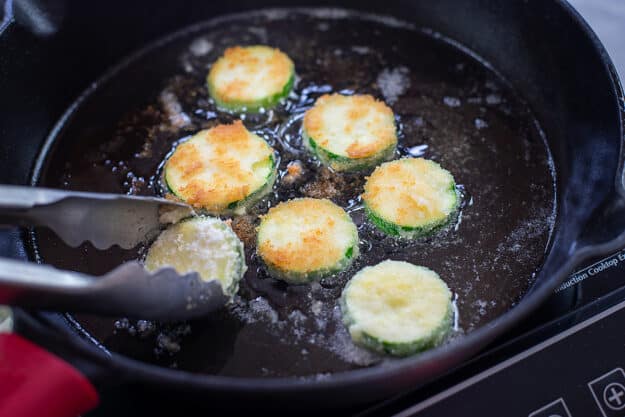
(7, 18)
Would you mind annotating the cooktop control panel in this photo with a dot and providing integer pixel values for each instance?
(579, 370)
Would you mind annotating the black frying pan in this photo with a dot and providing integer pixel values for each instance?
(542, 49)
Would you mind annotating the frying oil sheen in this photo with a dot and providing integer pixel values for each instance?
(450, 108)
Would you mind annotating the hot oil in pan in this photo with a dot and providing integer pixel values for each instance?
(450, 108)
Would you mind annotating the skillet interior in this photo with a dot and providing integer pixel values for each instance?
(469, 119)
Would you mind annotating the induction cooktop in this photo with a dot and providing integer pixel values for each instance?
(567, 360)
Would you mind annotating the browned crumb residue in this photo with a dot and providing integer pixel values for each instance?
(327, 184)
(245, 229)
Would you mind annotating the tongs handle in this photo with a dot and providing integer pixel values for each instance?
(17, 204)
(19, 274)
(128, 290)
(33, 285)
(16, 197)
(76, 217)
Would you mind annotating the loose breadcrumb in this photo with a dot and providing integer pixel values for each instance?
(245, 228)
(294, 172)
(327, 184)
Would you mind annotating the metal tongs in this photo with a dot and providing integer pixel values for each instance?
(104, 220)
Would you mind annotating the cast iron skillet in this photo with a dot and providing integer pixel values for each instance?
(543, 48)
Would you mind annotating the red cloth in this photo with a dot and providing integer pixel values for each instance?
(35, 383)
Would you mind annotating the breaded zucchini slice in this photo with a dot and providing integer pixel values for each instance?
(350, 133)
(410, 197)
(222, 170)
(397, 308)
(247, 78)
(203, 244)
(306, 239)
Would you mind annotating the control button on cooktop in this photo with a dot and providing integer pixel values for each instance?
(554, 409)
(609, 392)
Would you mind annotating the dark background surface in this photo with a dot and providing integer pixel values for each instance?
(607, 18)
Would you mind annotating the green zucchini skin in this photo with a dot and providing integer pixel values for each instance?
(350, 132)
(298, 278)
(372, 337)
(406, 232)
(321, 240)
(401, 349)
(188, 168)
(241, 206)
(252, 106)
(343, 163)
(166, 250)
(249, 79)
(432, 183)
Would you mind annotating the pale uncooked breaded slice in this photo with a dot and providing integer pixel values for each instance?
(202, 244)
(397, 308)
